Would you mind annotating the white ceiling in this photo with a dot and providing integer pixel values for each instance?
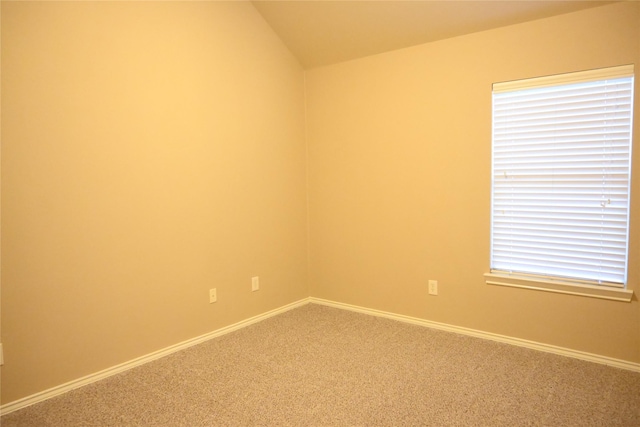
(323, 32)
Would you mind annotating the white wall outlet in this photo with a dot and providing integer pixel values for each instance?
(433, 287)
(213, 295)
(255, 283)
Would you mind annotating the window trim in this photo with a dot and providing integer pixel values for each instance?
(609, 291)
(566, 78)
(558, 286)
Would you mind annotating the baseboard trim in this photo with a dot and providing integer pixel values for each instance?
(72, 385)
(562, 351)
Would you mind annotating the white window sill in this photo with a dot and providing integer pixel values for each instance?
(604, 292)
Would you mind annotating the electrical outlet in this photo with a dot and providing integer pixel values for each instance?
(255, 284)
(1, 355)
(213, 295)
(433, 287)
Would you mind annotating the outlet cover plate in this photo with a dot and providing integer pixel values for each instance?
(433, 287)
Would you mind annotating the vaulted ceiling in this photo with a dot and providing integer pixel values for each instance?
(322, 32)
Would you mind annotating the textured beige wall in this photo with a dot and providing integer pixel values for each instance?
(399, 180)
(150, 151)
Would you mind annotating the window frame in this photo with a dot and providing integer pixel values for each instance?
(551, 283)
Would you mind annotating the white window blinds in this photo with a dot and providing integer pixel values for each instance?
(561, 174)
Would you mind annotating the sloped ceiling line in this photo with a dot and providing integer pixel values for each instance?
(324, 32)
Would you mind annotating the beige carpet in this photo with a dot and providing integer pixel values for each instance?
(320, 366)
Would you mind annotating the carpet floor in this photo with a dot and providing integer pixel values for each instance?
(321, 366)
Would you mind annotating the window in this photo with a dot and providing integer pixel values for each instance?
(561, 167)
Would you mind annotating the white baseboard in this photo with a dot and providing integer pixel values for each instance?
(71, 385)
(63, 388)
(590, 357)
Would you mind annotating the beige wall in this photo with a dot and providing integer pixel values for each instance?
(399, 180)
(150, 151)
